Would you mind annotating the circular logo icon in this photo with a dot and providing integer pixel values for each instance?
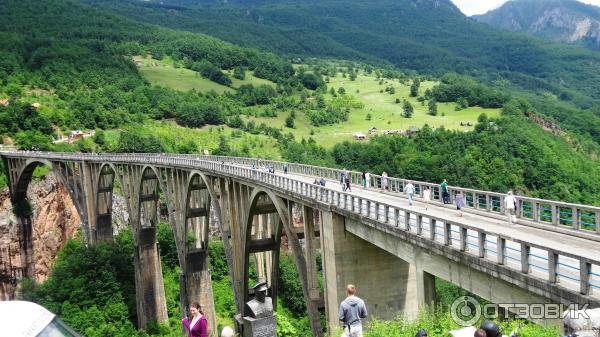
(465, 311)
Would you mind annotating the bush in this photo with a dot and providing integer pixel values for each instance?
(131, 141)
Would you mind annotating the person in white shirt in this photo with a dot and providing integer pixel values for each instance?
(409, 189)
(510, 206)
(426, 196)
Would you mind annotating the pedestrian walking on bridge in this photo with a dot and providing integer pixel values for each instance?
(510, 206)
(426, 196)
(409, 190)
(460, 202)
(445, 194)
(384, 181)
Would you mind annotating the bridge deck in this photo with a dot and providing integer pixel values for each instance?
(552, 240)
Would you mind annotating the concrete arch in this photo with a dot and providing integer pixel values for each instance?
(116, 174)
(160, 187)
(200, 199)
(104, 192)
(211, 191)
(213, 204)
(25, 174)
(272, 244)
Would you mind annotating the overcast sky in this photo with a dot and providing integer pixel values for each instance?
(470, 7)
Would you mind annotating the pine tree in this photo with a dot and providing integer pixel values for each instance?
(433, 107)
(408, 109)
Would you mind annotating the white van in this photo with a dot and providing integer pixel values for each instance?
(27, 319)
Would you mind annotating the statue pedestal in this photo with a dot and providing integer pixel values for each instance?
(260, 327)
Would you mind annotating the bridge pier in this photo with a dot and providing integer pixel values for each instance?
(149, 286)
(387, 284)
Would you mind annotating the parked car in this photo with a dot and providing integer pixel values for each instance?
(28, 319)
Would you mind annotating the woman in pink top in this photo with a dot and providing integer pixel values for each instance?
(197, 327)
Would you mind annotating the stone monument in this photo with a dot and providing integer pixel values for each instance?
(259, 319)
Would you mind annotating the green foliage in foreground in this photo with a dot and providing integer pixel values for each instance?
(92, 289)
(439, 324)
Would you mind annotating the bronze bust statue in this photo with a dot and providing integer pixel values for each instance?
(261, 306)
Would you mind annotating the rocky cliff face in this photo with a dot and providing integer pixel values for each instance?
(558, 20)
(55, 220)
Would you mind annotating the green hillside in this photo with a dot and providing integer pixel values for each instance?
(172, 74)
(430, 37)
(385, 113)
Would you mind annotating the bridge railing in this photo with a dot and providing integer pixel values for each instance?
(573, 272)
(553, 265)
(582, 219)
(576, 217)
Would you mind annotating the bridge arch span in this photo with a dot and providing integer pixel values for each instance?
(265, 218)
(200, 205)
(104, 184)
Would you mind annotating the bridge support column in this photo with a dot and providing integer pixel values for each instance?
(149, 286)
(387, 284)
(199, 286)
(425, 289)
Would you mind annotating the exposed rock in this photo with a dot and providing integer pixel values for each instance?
(55, 219)
(558, 20)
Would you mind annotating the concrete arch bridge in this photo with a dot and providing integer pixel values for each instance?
(370, 236)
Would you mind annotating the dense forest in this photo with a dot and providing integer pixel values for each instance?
(92, 288)
(86, 80)
(429, 37)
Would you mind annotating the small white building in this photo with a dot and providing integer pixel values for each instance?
(359, 136)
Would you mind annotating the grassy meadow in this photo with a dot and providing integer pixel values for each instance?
(385, 113)
(167, 73)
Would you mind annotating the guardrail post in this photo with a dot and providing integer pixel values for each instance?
(575, 219)
(584, 275)
(488, 202)
(432, 229)
(501, 250)
(552, 266)
(597, 221)
(368, 204)
(534, 211)
(555, 214)
(396, 217)
(386, 217)
(481, 241)
(407, 221)
(447, 234)
(525, 249)
(419, 224)
(463, 239)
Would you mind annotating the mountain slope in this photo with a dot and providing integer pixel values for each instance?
(427, 36)
(558, 20)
